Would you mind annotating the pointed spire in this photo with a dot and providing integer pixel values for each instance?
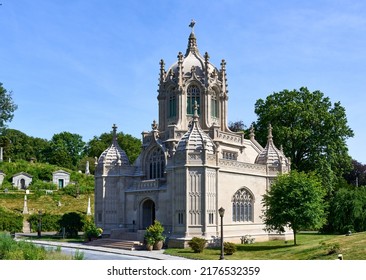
(195, 111)
(114, 127)
(162, 70)
(192, 42)
(252, 134)
(270, 136)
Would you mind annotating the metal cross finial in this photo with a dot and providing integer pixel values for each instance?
(114, 127)
(191, 25)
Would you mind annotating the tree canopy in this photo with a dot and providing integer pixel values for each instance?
(311, 130)
(7, 107)
(130, 144)
(65, 149)
(295, 200)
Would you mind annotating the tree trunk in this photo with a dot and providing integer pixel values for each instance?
(294, 237)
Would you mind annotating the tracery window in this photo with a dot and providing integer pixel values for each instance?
(193, 95)
(242, 203)
(156, 163)
(172, 110)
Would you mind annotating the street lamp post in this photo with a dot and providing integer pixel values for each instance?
(221, 213)
(39, 222)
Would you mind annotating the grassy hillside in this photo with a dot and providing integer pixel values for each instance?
(72, 198)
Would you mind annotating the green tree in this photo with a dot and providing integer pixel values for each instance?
(7, 107)
(311, 130)
(295, 200)
(65, 149)
(130, 144)
(19, 146)
(348, 210)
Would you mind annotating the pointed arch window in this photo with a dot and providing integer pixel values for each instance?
(242, 203)
(172, 109)
(193, 95)
(156, 164)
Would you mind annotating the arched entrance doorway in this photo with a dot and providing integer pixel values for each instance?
(22, 184)
(148, 213)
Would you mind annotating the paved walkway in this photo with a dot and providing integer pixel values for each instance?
(154, 255)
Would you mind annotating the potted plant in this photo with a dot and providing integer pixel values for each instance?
(149, 241)
(155, 231)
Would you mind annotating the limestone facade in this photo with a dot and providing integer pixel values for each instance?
(190, 165)
(22, 180)
(61, 178)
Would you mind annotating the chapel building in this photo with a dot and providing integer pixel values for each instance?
(190, 165)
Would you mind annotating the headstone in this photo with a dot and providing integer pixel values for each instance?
(59, 203)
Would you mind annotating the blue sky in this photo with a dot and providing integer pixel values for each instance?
(82, 65)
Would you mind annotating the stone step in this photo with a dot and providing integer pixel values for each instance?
(116, 243)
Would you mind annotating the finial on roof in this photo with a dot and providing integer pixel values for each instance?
(191, 25)
(270, 136)
(154, 125)
(114, 127)
(195, 110)
(252, 133)
(192, 43)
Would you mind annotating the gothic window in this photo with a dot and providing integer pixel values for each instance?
(156, 163)
(172, 110)
(193, 95)
(210, 218)
(214, 106)
(243, 203)
(180, 218)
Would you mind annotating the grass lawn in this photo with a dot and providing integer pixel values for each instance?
(311, 246)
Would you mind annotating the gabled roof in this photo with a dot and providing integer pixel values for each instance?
(61, 171)
(24, 174)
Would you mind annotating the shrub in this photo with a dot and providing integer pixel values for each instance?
(197, 244)
(91, 230)
(229, 248)
(49, 222)
(10, 221)
(247, 239)
(73, 223)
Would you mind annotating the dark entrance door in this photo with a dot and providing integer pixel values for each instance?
(148, 213)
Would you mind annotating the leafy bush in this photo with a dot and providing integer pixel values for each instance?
(49, 222)
(91, 230)
(229, 248)
(197, 244)
(73, 223)
(247, 239)
(13, 250)
(22, 250)
(10, 221)
(40, 185)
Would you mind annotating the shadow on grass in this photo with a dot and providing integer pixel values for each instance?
(263, 248)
